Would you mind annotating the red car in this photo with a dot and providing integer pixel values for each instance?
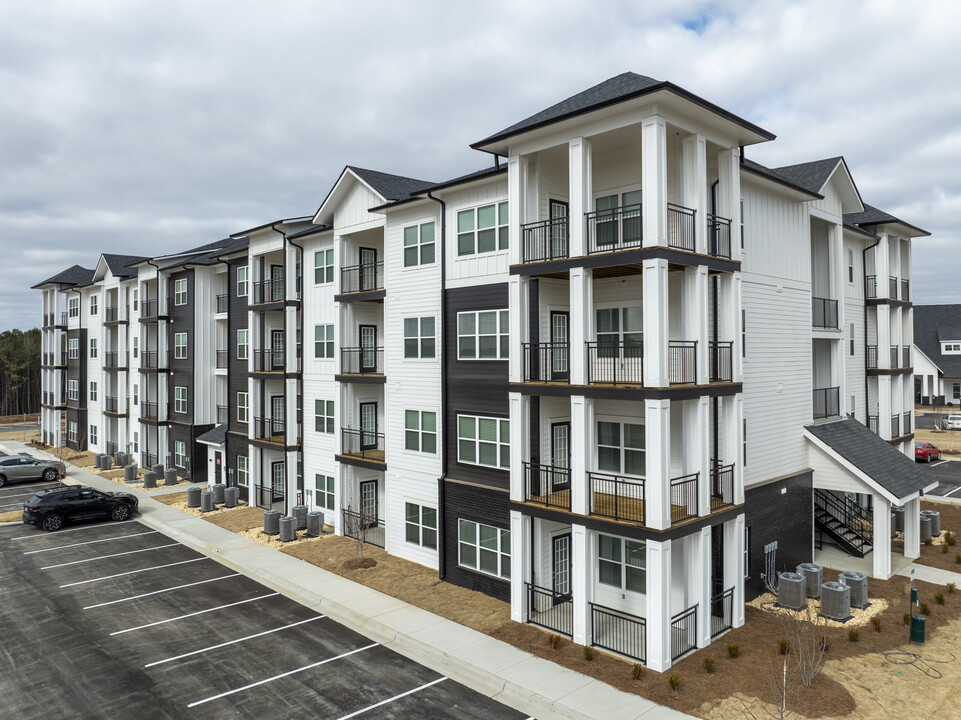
(926, 452)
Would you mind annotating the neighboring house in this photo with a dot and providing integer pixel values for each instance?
(619, 379)
(937, 344)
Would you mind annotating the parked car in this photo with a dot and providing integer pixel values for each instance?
(951, 422)
(926, 452)
(20, 468)
(51, 508)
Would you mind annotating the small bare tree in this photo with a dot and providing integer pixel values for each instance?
(777, 711)
(805, 630)
(357, 524)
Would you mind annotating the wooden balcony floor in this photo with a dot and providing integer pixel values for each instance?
(628, 509)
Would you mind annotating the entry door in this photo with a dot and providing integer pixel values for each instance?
(561, 456)
(560, 321)
(561, 562)
(218, 467)
(277, 350)
(368, 426)
(368, 269)
(276, 283)
(278, 414)
(368, 502)
(368, 348)
(558, 210)
(278, 479)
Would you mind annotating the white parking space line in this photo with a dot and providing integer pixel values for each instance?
(106, 557)
(40, 534)
(16, 504)
(133, 572)
(158, 592)
(939, 462)
(282, 675)
(390, 700)
(91, 542)
(952, 492)
(4, 496)
(232, 642)
(195, 614)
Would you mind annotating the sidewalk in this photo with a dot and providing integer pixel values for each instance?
(530, 684)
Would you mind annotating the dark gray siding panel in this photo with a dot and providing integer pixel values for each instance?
(236, 445)
(491, 507)
(182, 321)
(236, 369)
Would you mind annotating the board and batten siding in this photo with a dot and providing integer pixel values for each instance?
(477, 268)
(776, 235)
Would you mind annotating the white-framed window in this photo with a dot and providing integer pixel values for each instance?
(180, 399)
(483, 335)
(136, 299)
(243, 470)
(242, 281)
(420, 525)
(73, 389)
(93, 391)
(242, 343)
(853, 401)
(743, 333)
(324, 416)
(742, 224)
(483, 229)
(420, 431)
(323, 267)
(744, 441)
(136, 441)
(951, 348)
(242, 407)
(93, 434)
(850, 265)
(484, 548)
(483, 441)
(180, 291)
(136, 393)
(851, 340)
(419, 337)
(324, 342)
(324, 491)
(419, 245)
(73, 306)
(73, 348)
(619, 327)
(621, 448)
(93, 304)
(747, 552)
(93, 347)
(180, 346)
(622, 563)
(136, 346)
(72, 431)
(956, 390)
(180, 453)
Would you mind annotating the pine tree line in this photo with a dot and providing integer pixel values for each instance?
(20, 372)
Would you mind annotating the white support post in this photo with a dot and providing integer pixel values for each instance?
(734, 570)
(520, 451)
(581, 449)
(520, 564)
(912, 528)
(342, 497)
(580, 330)
(654, 180)
(699, 579)
(884, 404)
(516, 167)
(657, 495)
(694, 186)
(579, 181)
(519, 323)
(696, 316)
(700, 438)
(729, 194)
(655, 287)
(290, 410)
(580, 559)
(882, 538)
(658, 605)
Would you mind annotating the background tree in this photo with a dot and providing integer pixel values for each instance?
(20, 372)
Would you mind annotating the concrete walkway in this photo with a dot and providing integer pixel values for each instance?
(530, 684)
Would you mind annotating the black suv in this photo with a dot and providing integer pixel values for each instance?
(50, 509)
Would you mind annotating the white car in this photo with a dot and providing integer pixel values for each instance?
(951, 422)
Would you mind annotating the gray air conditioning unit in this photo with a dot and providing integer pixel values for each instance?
(925, 527)
(813, 577)
(898, 517)
(835, 601)
(858, 582)
(935, 517)
(790, 591)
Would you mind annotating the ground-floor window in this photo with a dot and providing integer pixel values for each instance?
(484, 548)
(421, 525)
(180, 453)
(93, 434)
(622, 563)
(72, 431)
(243, 470)
(324, 491)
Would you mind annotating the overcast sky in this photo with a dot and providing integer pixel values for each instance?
(149, 127)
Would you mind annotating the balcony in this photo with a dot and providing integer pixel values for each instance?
(617, 497)
(895, 426)
(63, 319)
(270, 429)
(906, 420)
(222, 359)
(684, 497)
(871, 287)
(682, 362)
(873, 424)
(547, 485)
(362, 361)
(893, 287)
(115, 361)
(221, 414)
(905, 356)
(718, 236)
(680, 227)
(872, 359)
(112, 405)
(827, 402)
(358, 527)
(111, 448)
(550, 609)
(904, 290)
(152, 359)
(611, 362)
(62, 361)
(720, 361)
(544, 240)
(619, 631)
(895, 356)
(148, 460)
(268, 291)
(547, 362)
(616, 229)
(269, 361)
(824, 313)
(722, 486)
(221, 303)
(150, 411)
(111, 314)
(366, 277)
(149, 309)
(362, 444)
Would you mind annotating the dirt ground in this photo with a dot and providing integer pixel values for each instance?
(948, 441)
(21, 435)
(935, 555)
(14, 419)
(11, 516)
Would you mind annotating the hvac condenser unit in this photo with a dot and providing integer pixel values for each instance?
(858, 582)
(835, 601)
(790, 590)
(813, 577)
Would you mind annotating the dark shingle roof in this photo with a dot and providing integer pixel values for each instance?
(216, 436)
(75, 275)
(460, 180)
(391, 187)
(207, 254)
(810, 175)
(311, 230)
(118, 264)
(775, 176)
(875, 457)
(873, 216)
(932, 324)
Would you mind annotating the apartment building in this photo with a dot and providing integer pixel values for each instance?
(937, 354)
(618, 379)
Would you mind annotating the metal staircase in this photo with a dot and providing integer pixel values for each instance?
(848, 524)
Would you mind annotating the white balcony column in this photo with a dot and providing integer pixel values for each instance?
(729, 194)
(654, 180)
(729, 316)
(658, 605)
(907, 268)
(519, 323)
(698, 546)
(520, 564)
(696, 316)
(581, 449)
(290, 479)
(342, 496)
(581, 325)
(580, 584)
(882, 538)
(694, 186)
(839, 276)
(290, 271)
(884, 406)
(520, 451)
(580, 191)
(516, 196)
(655, 290)
(732, 442)
(657, 496)
(912, 528)
(884, 334)
(882, 266)
(290, 410)
(734, 570)
(696, 445)
(290, 338)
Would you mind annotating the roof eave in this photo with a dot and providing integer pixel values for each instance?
(801, 193)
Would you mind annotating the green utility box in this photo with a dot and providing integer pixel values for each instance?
(917, 629)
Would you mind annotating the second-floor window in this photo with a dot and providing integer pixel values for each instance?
(324, 342)
(483, 441)
(482, 230)
(136, 393)
(93, 304)
(136, 441)
(851, 340)
(73, 306)
(180, 291)
(850, 266)
(73, 389)
(323, 267)
(324, 416)
(621, 448)
(136, 299)
(73, 348)
(419, 338)
(420, 431)
(93, 347)
(242, 407)
(242, 281)
(180, 399)
(419, 245)
(242, 344)
(93, 391)
(180, 346)
(136, 346)
(93, 434)
(483, 335)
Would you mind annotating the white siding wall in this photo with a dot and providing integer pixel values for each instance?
(478, 268)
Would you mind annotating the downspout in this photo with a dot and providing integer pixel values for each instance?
(442, 480)
(864, 285)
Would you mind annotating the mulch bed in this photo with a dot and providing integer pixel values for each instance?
(935, 555)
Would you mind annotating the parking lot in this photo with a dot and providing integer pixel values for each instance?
(117, 620)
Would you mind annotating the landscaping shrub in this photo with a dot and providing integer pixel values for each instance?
(854, 635)
(782, 646)
(733, 651)
(924, 609)
(907, 618)
(950, 539)
(708, 664)
(876, 623)
(674, 680)
(951, 588)
(553, 640)
(928, 542)
(637, 671)
(944, 549)
(588, 653)
(939, 598)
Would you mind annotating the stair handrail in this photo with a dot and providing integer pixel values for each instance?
(842, 512)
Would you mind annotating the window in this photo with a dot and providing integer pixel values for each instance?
(323, 342)
(483, 441)
(93, 347)
(957, 391)
(73, 348)
(180, 291)
(419, 337)
(850, 266)
(242, 281)
(324, 491)
(180, 453)
(136, 299)
(73, 306)
(617, 327)
(323, 267)
(852, 406)
(93, 304)
(242, 407)
(420, 431)
(743, 333)
(72, 431)
(482, 230)
(951, 348)
(621, 448)
(324, 416)
(93, 434)
(851, 340)
(742, 223)
(421, 525)
(136, 441)
(484, 548)
(73, 389)
(744, 441)
(180, 399)
(243, 470)
(419, 245)
(242, 344)
(622, 563)
(747, 552)
(180, 346)
(482, 335)
(136, 393)
(136, 346)
(93, 391)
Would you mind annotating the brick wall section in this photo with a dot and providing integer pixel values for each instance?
(787, 518)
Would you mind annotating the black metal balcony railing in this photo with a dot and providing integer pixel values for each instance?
(824, 312)
(893, 287)
(722, 486)
(873, 423)
(111, 405)
(684, 497)
(718, 236)
(148, 308)
(151, 359)
(222, 303)
(222, 358)
(544, 240)
(680, 227)
(550, 609)
(906, 422)
(371, 530)
(364, 444)
(619, 632)
(269, 361)
(547, 485)
(905, 356)
(895, 426)
(221, 414)
(904, 290)
(362, 361)
(682, 362)
(111, 314)
(872, 360)
(616, 497)
(150, 411)
(362, 278)
(63, 318)
(827, 402)
(894, 353)
(720, 361)
(871, 286)
(546, 362)
(268, 291)
(115, 360)
(619, 228)
(147, 460)
(272, 428)
(615, 363)
(722, 612)
(111, 448)
(683, 632)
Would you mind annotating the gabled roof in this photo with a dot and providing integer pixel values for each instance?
(460, 180)
(872, 217)
(769, 174)
(120, 264)
(214, 436)
(75, 275)
(207, 254)
(816, 174)
(872, 458)
(934, 324)
(390, 187)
